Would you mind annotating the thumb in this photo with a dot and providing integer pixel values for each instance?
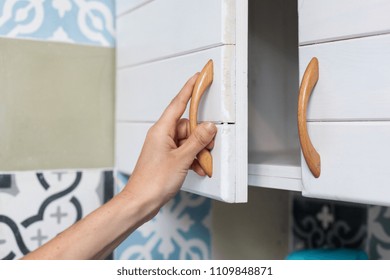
(199, 139)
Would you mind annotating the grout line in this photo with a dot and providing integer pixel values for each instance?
(50, 41)
(97, 169)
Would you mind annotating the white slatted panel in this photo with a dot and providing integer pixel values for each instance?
(354, 162)
(167, 28)
(222, 185)
(160, 44)
(329, 20)
(157, 83)
(354, 79)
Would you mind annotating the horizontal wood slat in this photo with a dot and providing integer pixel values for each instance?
(321, 21)
(169, 28)
(354, 81)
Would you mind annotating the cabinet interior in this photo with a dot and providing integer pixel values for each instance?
(273, 83)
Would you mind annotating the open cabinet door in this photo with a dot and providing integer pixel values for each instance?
(160, 44)
(348, 120)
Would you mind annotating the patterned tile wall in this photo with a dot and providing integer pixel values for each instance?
(36, 206)
(181, 230)
(330, 224)
(378, 239)
(73, 21)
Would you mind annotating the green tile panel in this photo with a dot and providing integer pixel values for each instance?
(56, 105)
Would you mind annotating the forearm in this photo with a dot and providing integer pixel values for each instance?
(168, 153)
(95, 236)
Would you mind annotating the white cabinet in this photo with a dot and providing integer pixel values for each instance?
(348, 113)
(160, 44)
(259, 59)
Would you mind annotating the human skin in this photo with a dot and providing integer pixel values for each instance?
(168, 153)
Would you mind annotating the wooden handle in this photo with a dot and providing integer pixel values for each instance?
(203, 81)
(310, 154)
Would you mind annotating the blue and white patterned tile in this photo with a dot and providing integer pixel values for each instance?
(73, 21)
(379, 232)
(35, 207)
(181, 230)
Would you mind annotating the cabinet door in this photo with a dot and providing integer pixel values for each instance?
(354, 162)
(330, 20)
(160, 44)
(348, 120)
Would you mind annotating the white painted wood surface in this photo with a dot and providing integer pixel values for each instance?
(276, 163)
(169, 28)
(275, 169)
(143, 92)
(129, 139)
(222, 186)
(329, 20)
(354, 79)
(241, 80)
(159, 46)
(274, 182)
(125, 6)
(354, 162)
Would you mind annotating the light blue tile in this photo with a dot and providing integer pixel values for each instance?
(74, 21)
(181, 230)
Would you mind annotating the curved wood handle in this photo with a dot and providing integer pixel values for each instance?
(203, 81)
(310, 154)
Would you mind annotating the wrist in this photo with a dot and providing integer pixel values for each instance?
(143, 203)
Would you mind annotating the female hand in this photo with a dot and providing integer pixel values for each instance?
(168, 153)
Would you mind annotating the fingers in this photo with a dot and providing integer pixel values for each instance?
(183, 130)
(195, 166)
(210, 146)
(198, 140)
(178, 105)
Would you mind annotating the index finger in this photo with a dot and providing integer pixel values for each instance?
(178, 105)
